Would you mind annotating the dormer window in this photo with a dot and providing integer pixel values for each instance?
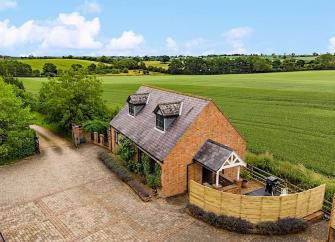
(136, 102)
(160, 122)
(131, 109)
(166, 114)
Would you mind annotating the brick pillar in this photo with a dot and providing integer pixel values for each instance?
(76, 134)
(101, 139)
(96, 138)
(110, 139)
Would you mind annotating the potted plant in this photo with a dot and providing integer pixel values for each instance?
(244, 183)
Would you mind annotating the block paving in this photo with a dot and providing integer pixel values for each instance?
(90, 204)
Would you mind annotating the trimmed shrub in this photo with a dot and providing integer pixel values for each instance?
(139, 188)
(280, 227)
(113, 165)
(224, 222)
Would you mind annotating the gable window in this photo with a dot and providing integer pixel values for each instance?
(131, 109)
(160, 122)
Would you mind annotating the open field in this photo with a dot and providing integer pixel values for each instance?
(60, 63)
(291, 115)
(157, 64)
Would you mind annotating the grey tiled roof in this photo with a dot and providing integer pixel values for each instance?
(169, 109)
(212, 155)
(141, 129)
(138, 98)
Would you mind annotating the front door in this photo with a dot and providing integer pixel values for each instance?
(206, 176)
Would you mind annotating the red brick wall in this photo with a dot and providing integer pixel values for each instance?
(195, 172)
(210, 124)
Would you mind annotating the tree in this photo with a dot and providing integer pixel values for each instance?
(164, 58)
(49, 69)
(91, 68)
(9, 79)
(73, 97)
(176, 67)
(260, 64)
(16, 138)
(76, 67)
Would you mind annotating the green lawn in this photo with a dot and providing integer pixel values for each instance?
(291, 115)
(60, 63)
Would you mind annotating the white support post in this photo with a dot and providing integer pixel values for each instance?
(238, 173)
(217, 178)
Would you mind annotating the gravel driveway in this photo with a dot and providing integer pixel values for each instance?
(66, 194)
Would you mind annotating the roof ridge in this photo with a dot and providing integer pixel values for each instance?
(219, 144)
(143, 93)
(177, 92)
(174, 102)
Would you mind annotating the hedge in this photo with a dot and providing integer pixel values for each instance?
(18, 145)
(118, 169)
(124, 175)
(281, 227)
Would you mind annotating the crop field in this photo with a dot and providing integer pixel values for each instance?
(157, 64)
(291, 115)
(60, 63)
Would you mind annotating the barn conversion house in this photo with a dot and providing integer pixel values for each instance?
(188, 136)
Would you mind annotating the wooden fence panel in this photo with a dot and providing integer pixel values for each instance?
(302, 204)
(288, 206)
(315, 201)
(257, 208)
(270, 209)
(230, 204)
(197, 194)
(251, 208)
(213, 201)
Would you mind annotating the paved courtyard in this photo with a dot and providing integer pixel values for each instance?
(66, 194)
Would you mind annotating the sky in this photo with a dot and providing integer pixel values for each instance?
(171, 27)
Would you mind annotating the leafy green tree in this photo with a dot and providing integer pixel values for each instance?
(76, 67)
(165, 58)
(327, 61)
(260, 64)
(36, 73)
(176, 66)
(73, 97)
(9, 79)
(16, 138)
(14, 68)
(92, 68)
(49, 69)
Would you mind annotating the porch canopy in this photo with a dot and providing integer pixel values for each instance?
(217, 157)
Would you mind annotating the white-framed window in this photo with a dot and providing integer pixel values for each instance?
(160, 122)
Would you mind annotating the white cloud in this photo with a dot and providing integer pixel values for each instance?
(127, 41)
(89, 7)
(194, 43)
(6, 4)
(67, 31)
(73, 31)
(331, 46)
(236, 38)
(171, 44)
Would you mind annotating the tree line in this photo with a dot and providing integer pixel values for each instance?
(247, 64)
(207, 65)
